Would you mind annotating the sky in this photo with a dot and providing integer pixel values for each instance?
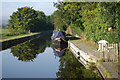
(7, 7)
(10, 6)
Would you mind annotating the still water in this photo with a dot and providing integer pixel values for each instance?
(38, 58)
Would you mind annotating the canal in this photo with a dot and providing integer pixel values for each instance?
(38, 58)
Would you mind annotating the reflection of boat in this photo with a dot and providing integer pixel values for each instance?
(58, 37)
(59, 50)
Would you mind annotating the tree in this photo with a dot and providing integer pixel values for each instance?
(23, 20)
(94, 19)
(58, 22)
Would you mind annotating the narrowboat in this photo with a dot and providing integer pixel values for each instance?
(58, 37)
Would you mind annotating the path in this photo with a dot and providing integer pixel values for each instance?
(92, 50)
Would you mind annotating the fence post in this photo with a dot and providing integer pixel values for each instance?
(118, 50)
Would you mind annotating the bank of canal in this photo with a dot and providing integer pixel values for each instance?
(19, 39)
(87, 53)
(36, 58)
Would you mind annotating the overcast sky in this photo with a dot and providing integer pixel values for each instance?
(10, 6)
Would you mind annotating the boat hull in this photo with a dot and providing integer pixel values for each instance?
(59, 42)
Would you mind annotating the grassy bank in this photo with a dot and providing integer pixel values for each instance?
(5, 35)
(18, 36)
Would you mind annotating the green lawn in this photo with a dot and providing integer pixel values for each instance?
(5, 35)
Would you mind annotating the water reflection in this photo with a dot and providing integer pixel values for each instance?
(45, 65)
(70, 68)
(28, 51)
(59, 50)
(59, 53)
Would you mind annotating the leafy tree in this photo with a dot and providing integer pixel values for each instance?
(92, 18)
(98, 19)
(43, 22)
(23, 20)
(49, 22)
(69, 16)
(59, 24)
(40, 23)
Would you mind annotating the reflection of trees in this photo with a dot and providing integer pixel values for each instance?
(71, 68)
(27, 51)
(41, 43)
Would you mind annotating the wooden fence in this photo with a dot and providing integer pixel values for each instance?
(110, 52)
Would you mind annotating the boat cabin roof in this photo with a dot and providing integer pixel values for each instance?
(58, 34)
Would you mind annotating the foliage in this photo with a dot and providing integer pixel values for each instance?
(26, 19)
(98, 19)
(49, 22)
(75, 30)
(92, 18)
(59, 24)
(22, 20)
(44, 22)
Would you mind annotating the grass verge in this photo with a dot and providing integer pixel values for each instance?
(18, 36)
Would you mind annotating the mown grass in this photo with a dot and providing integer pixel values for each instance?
(5, 35)
(17, 36)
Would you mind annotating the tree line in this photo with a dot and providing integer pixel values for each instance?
(89, 20)
(96, 20)
(27, 20)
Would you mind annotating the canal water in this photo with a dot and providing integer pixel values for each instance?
(38, 58)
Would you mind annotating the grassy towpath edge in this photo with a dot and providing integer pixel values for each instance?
(19, 36)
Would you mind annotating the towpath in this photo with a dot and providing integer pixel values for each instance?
(91, 49)
(88, 48)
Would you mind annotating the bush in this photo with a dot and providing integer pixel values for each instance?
(75, 30)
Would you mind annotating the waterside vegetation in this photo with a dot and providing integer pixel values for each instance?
(25, 22)
(93, 20)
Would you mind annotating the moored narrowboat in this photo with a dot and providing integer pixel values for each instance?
(58, 37)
